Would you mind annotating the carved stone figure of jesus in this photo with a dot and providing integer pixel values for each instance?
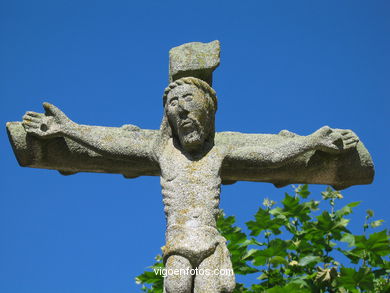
(192, 161)
(190, 158)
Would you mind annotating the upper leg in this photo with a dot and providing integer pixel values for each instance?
(215, 273)
(180, 283)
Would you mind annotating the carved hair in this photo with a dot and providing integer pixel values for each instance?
(211, 96)
(200, 84)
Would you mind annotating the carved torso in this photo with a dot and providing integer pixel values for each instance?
(190, 188)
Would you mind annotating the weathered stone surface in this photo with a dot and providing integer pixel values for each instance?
(194, 59)
(316, 167)
(192, 162)
(70, 157)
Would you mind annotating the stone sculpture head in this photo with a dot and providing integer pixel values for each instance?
(189, 113)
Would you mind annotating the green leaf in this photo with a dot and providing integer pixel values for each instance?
(309, 259)
(351, 279)
(327, 224)
(249, 253)
(263, 222)
(278, 260)
(303, 190)
(292, 208)
(347, 209)
(289, 288)
(377, 243)
(349, 238)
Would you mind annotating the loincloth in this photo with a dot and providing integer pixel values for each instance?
(195, 244)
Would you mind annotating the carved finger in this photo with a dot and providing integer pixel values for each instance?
(351, 141)
(30, 124)
(51, 109)
(354, 137)
(349, 134)
(34, 114)
(346, 141)
(32, 119)
(31, 130)
(350, 145)
(28, 128)
(345, 131)
(349, 137)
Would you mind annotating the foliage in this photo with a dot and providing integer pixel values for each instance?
(291, 249)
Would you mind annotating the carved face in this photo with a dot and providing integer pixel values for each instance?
(189, 114)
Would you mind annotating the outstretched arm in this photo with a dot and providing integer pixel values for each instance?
(113, 142)
(326, 139)
(328, 156)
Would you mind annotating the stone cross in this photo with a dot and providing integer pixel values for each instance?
(192, 161)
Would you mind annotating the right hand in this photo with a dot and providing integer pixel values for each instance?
(51, 124)
(334, 141)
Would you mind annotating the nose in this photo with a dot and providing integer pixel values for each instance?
(182, 106)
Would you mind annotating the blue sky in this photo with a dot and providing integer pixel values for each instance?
(295, 65)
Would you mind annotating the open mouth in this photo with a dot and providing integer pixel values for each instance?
(186, 123)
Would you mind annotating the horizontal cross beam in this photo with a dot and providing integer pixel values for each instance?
(314, 167)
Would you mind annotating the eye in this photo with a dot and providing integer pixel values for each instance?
(173, 102)
(188, 98)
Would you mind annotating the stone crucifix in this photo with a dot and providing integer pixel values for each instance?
(192, 161)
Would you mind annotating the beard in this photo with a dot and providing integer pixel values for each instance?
(191, 138)
(192, 135)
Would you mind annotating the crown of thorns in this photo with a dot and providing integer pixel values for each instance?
(192, 81)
